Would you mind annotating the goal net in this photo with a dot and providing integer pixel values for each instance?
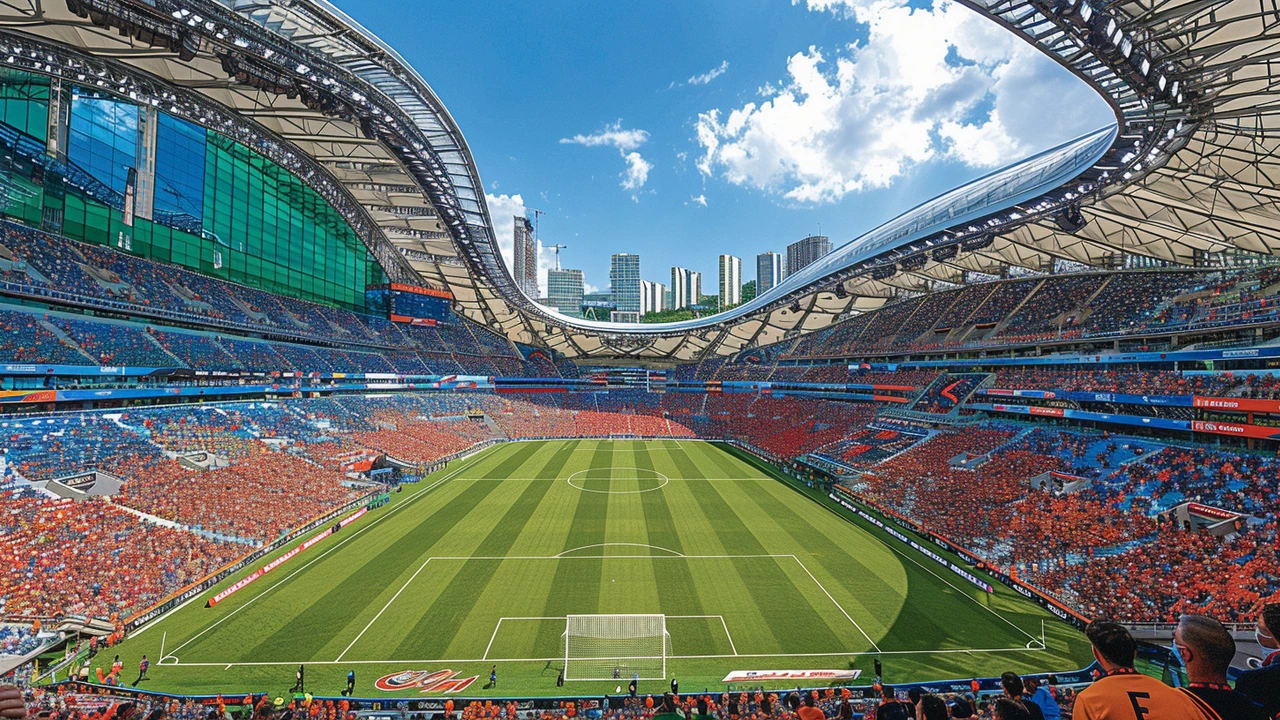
(604, 647)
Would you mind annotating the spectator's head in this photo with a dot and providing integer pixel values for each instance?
(668, 703)
(1206, 648)
(1269, 626)
(886, 692)
(931, 707)
(808, 700)
(1012, 684)
(1113, 646)
(1032, 684)
(961, 709)
(914, 695)
(1010, 709)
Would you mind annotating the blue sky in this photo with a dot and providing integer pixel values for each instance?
(681, 130)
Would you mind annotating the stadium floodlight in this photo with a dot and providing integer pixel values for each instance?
(606, 647)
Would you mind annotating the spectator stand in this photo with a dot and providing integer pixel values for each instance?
(946, 393)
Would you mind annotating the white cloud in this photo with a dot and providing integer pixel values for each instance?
(928, 83)
(637, 172)
(627, 142)
(503, 209)
(612, 136)
(710, 75)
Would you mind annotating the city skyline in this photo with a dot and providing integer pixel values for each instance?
(774, 271)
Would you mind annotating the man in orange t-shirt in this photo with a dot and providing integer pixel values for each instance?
(1122, 693)
(809, 711)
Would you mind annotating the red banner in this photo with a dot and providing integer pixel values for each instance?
(1210, 511)
(431, 292)
(1236, 404)
(1051, 412)
(246, 580)
(1235, 429)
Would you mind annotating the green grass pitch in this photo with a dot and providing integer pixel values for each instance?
(479, 564)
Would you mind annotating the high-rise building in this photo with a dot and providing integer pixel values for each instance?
(730, 281)
(624, 279)
(526, 257)
(806, 252)
(768, 271)
(653, 297)
(686, 287)
(565, 290)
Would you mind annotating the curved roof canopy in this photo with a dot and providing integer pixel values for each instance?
(1188, 169)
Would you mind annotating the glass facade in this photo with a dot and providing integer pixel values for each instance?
(179, 184)
(103, 138)
(218, 207)
(624, 278)
(564, 291)
(24, 102)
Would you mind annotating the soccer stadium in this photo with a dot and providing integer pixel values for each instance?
(286, 436)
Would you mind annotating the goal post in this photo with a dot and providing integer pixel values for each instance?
(604, 647)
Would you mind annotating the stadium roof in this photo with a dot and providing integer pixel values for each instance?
(1187, 170)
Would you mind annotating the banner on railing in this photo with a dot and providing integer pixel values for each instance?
(953, 567)
(310, 542)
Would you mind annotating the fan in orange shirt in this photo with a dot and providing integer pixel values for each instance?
(1122, 693)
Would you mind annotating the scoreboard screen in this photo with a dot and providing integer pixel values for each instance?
(409, 303)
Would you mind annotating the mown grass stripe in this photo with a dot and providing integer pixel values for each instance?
(677, 592)
(340, 606)
(771, 588)
(463, 591)
(587, 527)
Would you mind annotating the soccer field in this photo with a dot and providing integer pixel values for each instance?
(480, 564)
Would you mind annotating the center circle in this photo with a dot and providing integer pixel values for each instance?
(618, 480)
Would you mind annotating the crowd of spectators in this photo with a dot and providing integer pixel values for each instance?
(1125, 379)
(1075, 544)
(24, 338)
(254, 500)
(91, 557)
(1059, 306)
(46, 265)
(18, 639)
(1050, 308)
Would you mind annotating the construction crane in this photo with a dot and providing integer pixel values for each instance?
(557, 249)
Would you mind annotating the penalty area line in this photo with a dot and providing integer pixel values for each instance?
(833, 601)
(357, 533)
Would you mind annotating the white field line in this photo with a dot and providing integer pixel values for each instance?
(618, 544)
(465, 558)
(732, 647)
(439, 661)
(384, 607)
(492, 637)
(838, 605)
(513, 619)
(929, 570)
(155, 622)
(422, 493)
(562, 617)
